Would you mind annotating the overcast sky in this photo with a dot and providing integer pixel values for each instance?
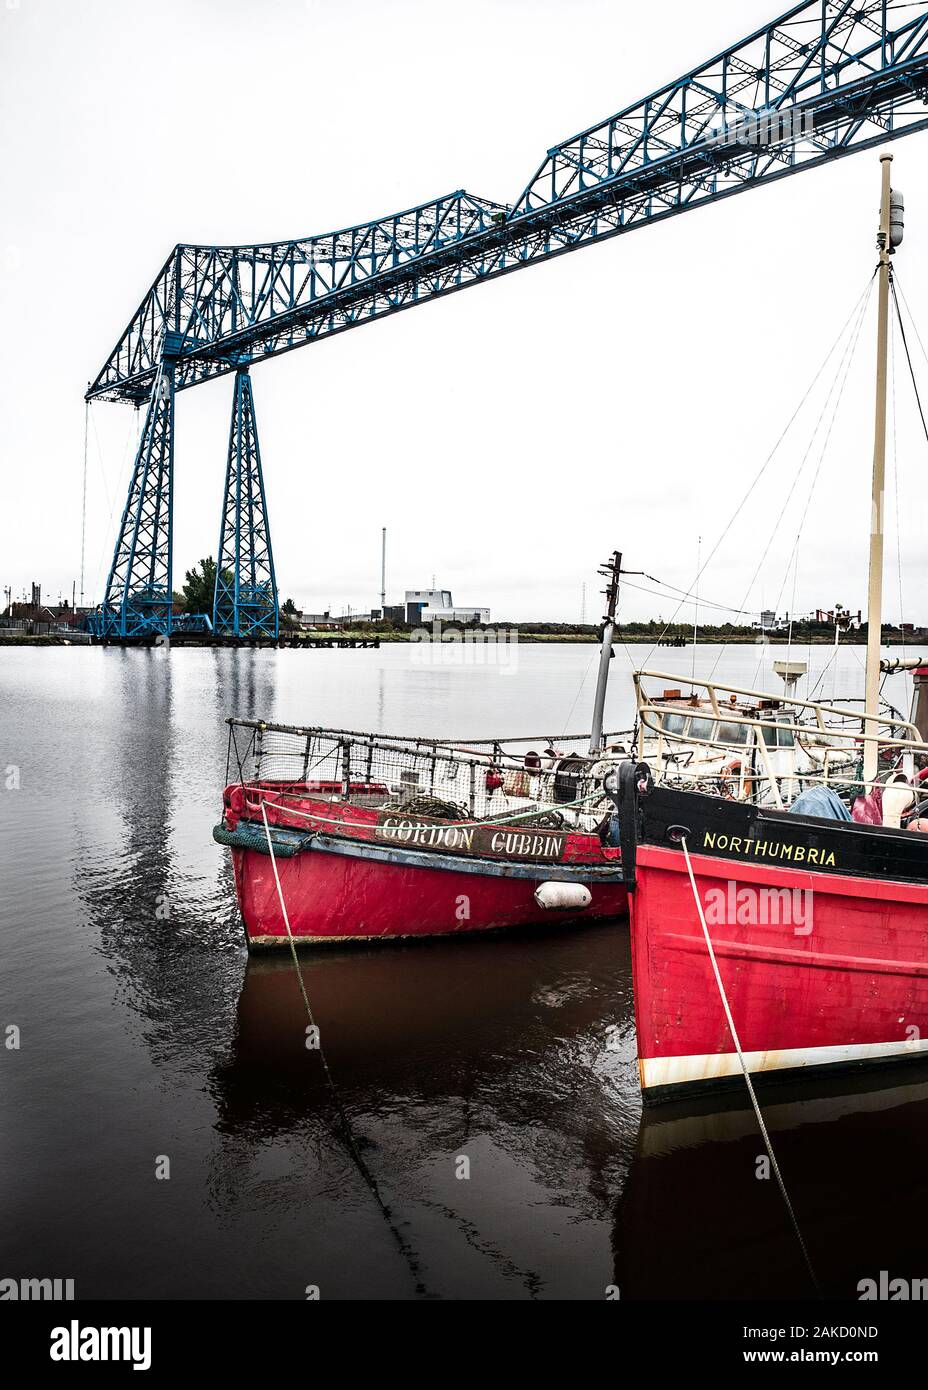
(508, 437)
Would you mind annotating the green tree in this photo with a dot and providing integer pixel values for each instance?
(199, 585)
(289, 608)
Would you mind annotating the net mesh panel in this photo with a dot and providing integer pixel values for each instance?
(428, 778)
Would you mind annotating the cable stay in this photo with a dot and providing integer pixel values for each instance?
(852, 323)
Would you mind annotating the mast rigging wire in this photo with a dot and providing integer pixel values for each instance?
(897, 286)
(769, 459)
(846, 364)
(690, 595)
(908, 357)
(838, 385)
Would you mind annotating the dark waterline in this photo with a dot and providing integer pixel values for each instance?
(146, 1033)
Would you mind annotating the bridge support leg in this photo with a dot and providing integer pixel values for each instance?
(139, 595)
(245, 601)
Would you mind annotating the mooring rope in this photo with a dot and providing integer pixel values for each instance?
(747, 1076)
(347, 1132)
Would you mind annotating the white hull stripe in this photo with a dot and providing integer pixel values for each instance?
(681, 1071)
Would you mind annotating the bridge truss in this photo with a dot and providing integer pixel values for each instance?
(825, 79)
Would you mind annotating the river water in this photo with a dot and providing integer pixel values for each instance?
(167, 1134)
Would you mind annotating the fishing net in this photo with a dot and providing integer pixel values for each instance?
(428, 778)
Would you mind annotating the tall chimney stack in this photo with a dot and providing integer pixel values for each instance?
(383, 574)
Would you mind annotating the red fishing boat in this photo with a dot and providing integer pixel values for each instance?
(344, 836)
(779, 879)
(818, 928)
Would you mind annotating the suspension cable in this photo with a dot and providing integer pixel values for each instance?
(84, 496)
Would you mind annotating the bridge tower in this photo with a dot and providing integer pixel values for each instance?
(809, 87)
(139, 595)
(245, 602)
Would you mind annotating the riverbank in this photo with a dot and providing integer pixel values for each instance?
(364, 637)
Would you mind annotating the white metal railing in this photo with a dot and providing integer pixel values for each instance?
(476, 779)
(831, 738)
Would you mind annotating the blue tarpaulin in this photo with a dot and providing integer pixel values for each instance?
(822, 802)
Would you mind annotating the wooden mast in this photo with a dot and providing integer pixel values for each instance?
(875, 593)
(611, 571)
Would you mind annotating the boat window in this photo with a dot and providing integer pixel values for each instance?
(701, 728)
(673, 723)
(733, 733)
(779, 738)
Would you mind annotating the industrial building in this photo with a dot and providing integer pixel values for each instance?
(437, 605)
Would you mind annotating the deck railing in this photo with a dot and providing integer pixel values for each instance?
(476, 778)
(830, 738)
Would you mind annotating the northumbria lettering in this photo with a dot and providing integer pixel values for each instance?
(769, 849)
(493, 841)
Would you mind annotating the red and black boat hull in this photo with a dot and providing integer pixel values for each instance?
(353, 880)
(819, 928)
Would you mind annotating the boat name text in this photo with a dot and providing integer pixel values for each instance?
(503, 843)
(769, 849)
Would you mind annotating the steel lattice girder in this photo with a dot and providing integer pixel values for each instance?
(853, 74)
(245, 598)
(139, 594)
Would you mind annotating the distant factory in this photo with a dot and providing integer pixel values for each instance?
(437, 605)
(421, 607)
(839, 616)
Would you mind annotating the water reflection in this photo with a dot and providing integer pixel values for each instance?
(147, 872)
(497, 1050)
(458, 1020)
(515, 1051)
(696, 1220)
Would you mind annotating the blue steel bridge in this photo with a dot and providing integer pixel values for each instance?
(824, 79)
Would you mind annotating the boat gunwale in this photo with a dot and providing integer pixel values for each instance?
(760, 816)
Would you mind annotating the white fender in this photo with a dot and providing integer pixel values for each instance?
(898, 797)
(563, 897)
